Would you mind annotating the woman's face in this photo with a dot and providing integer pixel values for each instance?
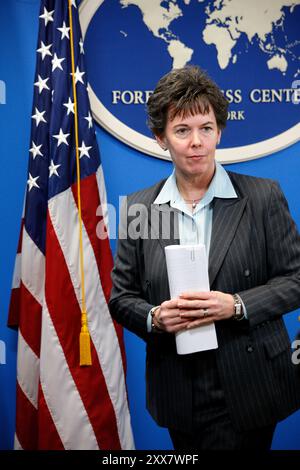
(192, 142)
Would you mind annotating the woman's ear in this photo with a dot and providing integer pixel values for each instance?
(161, 140)
(219, 137)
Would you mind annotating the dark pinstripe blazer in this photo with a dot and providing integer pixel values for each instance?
(255, 252)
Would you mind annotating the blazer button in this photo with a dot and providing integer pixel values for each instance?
(249, 348)
(247, 272)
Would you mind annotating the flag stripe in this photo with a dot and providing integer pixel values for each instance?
(33, 268)
(66, 407)
(17, 445)
(101, 248)
(19, 248)
(30, 327)
(26, 422)
(91, 204)
(49, 438)
(101, 326)
(17, 272)
(28, 371)
(14, 305)
(102, 417)
(14, 308)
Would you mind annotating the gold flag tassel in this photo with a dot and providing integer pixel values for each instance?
(84, 337)
(84, 342)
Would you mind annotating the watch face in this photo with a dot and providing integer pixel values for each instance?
(238, 310)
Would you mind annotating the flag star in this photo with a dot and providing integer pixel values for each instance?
(81, 46)
(56, 62)
(78, 75)
(74, 3)
(70, 106)
(47, 16)
(44, 50)
(64, 31)
(35, 150)
(61, 138)
(84, 150)
(38, 116)
(41, 83)
(32, 182)
(53, 169)
(89, 120)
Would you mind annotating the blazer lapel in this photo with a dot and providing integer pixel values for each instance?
(227, 214)
(226, 218)
(164, 224)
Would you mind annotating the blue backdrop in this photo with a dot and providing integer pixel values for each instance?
(125, 171)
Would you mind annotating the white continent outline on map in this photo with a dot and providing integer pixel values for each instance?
(158, 18)
(227, 20)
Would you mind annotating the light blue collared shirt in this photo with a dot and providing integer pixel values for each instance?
(195, 227)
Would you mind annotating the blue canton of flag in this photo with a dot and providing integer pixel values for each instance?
(52, 166)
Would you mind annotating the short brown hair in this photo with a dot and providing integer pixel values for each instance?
(184, 91)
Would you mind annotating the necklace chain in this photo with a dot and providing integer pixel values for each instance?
(194, 202)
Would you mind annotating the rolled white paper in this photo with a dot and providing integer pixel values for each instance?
(187, 268)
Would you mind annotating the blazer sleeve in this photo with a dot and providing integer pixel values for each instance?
(281, 294)
(127, 305)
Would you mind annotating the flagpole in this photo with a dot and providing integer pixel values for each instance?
(84, 339)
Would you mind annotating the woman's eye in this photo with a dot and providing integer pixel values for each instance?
(207, 129)
(182, 131)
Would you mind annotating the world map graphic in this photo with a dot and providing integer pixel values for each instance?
(250, 48)
(226, 22)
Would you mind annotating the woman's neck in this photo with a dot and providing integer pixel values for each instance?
(193, 188)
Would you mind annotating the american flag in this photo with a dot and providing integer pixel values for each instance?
(61, 405)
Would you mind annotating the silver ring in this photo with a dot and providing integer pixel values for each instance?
(205, 312)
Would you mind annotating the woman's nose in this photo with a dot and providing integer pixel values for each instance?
(196, 139)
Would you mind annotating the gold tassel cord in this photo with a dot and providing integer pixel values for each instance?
(84, 339)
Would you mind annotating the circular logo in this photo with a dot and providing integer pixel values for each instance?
(251, 50)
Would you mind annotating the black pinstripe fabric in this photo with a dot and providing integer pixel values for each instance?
(254, 251)
(219, 434)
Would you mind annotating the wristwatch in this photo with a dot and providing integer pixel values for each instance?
(152, 313)
(238, 308)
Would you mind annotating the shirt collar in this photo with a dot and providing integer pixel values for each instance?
(220, 186)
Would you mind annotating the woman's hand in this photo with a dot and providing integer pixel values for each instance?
(202, 308)
(168, 317)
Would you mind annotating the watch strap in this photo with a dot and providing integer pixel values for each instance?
(238, 308)
(152, 313)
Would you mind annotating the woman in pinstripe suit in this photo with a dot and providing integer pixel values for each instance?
(232, 397)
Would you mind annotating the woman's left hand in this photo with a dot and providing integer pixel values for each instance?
(205, 307)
